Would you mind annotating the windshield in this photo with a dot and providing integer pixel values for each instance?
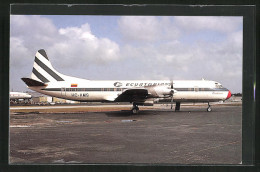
(218, 85)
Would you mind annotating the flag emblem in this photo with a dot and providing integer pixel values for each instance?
(74, 85)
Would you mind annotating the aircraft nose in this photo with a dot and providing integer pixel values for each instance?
(229, 95)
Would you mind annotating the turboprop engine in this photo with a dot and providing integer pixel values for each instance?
(161, 91)
(164, 91)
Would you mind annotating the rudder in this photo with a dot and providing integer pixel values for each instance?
(43, 70)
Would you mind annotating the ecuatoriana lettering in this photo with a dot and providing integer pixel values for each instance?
(146, 84)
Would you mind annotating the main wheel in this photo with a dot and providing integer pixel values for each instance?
(135, 110)
(209, 109)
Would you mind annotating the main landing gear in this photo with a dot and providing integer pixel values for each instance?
(209, 108)
(135, 109)
(178, 106)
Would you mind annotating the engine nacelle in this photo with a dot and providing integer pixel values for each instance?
(161, 91)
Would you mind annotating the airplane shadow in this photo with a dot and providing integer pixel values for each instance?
(124, 113)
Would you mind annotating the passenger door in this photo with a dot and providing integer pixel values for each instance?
(63, 91)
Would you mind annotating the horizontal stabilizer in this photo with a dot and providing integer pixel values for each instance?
(32, 83)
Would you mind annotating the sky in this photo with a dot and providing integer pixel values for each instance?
(130, 47)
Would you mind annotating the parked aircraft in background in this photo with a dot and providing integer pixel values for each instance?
(19, 96)
(46, 80)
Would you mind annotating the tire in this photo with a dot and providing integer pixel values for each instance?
(209, 109)
(135, 111)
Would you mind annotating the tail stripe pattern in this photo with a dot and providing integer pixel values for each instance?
(48, 70)
(43, 70)
(43, 53)
(40, 76)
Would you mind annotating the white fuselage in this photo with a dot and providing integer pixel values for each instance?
(46, 80)
(100, 91)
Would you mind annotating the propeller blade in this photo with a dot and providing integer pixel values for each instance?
(172, 92)
(171, 84)
(172, 102)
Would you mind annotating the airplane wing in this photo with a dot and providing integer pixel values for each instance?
(133, 95)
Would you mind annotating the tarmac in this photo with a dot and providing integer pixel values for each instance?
(157, 135)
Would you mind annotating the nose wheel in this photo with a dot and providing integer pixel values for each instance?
(209, 108)
(135, 109)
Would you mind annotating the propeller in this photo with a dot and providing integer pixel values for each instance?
(172, 92)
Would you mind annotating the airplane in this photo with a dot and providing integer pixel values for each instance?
(46, 80)
(19, 96)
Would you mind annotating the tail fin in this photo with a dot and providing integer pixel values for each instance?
(43, 70)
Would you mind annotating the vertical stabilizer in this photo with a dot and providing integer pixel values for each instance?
(43, 70)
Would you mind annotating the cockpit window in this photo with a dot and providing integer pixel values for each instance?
(218, 85)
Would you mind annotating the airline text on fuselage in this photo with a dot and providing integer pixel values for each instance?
(146, 84)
